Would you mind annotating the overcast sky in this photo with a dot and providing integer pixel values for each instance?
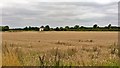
(21, 13)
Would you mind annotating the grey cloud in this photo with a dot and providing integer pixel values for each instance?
(59, 14)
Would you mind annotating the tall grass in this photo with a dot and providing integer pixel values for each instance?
(9, 58)
(57, 57)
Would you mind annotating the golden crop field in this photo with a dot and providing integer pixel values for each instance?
(67, 48)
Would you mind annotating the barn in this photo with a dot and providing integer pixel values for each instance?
(41, 29)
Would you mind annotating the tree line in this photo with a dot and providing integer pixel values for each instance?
(66, 28)
(4, 28)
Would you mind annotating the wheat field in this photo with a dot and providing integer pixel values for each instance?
(67, 48)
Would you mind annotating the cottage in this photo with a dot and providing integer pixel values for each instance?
(41, 29)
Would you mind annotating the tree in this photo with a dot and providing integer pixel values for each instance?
(0, 28)
(82, 27)
(67, 28)
(109, 26)
(47, 28)
(61, 28)
(51, 29)
(95, 26)
(5, 28)
(57, 29)
(35, 28)
(42, 27)
(30, 28)
(76, 27)
(26, 28)
(71, 27)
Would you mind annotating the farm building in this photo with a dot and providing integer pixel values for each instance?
(41, 29)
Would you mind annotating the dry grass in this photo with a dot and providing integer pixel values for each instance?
(9, 57)
(60, 48)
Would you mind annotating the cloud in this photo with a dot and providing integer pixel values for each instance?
(91, 15)
(59, 13)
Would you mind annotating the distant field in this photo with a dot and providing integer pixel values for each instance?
(60, 48)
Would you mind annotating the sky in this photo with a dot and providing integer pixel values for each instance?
(56, 13)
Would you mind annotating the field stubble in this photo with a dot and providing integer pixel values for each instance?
(60, 48)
